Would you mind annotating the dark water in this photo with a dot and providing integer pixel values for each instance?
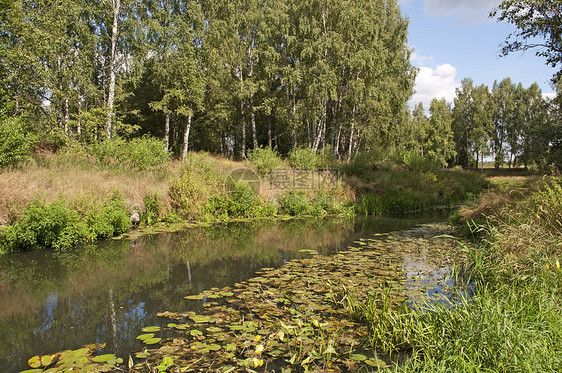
(109, 291)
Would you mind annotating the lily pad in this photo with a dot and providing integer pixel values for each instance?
(150, 329)
(152, 341)
(35, 362)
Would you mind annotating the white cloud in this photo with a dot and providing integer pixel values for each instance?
(418, 59)
(467, 11)
(435, 83)
(549, 95)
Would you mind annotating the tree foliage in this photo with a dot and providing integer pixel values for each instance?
(539, 27)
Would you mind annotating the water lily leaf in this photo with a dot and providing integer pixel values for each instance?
(358, 357)
(194, 297)
(214, 347)
(104, 358)
(214, 329)
(34, 362)
(199, 319)
(144, 337)
(195, 332)
(150, 329)
(152, 341)
(47, 360)
(32, 371)
(96, 346)
(375, 363)
(142, 355)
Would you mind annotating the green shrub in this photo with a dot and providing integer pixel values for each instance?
(362, 165)
(52, 225)
(111, 219)
(140, 153)
(241, 202)
(294, 203)
(15, 143)
(146, 151)
(55, 225)
(200, 181)
(264, 159)
(303, 157)
(418, 163)
(152, 208)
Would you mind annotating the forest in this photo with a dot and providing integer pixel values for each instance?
(230, 77)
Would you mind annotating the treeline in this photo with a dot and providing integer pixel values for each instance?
(229, 77)
(209, 75)
(507, 124)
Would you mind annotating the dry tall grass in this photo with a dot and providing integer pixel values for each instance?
(50, 177)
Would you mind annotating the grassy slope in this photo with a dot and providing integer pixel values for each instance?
(49, 177)
(511, 323)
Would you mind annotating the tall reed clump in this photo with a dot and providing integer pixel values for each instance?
(510, 322)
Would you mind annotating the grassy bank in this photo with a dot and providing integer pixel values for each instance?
(405, 183)
(511, 322)
(81, 194)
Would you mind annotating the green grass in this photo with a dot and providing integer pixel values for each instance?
(400, 185)
(512, 322)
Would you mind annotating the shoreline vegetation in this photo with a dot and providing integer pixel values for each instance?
(501, 314)
(83, 194)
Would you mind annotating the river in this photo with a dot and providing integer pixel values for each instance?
(107, 292)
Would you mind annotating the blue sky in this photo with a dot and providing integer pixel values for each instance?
(455, 39)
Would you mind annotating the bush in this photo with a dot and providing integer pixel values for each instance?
(152, 207)
(241, 202)
(199, 182)
(140, 153)
(416, 162)
(55, 225)
(14, 142)
(294, 203)
(264, 159)
(303, 158)
(50, 225)
(110, 219)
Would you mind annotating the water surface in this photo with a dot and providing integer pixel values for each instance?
(109, 291)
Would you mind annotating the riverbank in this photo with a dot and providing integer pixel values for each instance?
(511, 320)
(60, 200)
(493, 302)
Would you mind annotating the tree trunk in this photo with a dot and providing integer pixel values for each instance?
(116, 7)
(66, 115)
(253, 121)
(252, 114)
(350, 142)
(167, 131)
(79, 121)
(186, 138)
(269, 140)
(241, 77)
(321, 127)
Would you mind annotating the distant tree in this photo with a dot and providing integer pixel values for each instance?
(439, 140)
(504, 119)
(539, 24)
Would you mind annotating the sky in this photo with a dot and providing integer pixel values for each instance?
(455, 39)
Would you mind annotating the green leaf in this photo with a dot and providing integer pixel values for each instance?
(151, 329)
(34, 362)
